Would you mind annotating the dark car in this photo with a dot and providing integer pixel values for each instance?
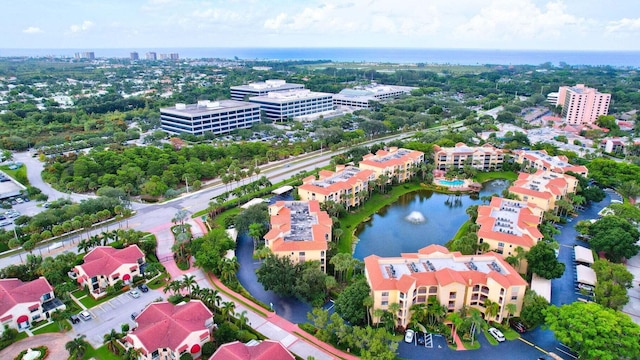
(420, 337)
(143, 287)
(74, 319)
(517, 326)
(133, 315)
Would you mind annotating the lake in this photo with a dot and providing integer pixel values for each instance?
(389, 233)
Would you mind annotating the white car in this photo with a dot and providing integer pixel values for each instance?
(497, 334)
(134, 294)
(408, 336)
(85, 315)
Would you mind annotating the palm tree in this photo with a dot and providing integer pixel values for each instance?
(378, 314)
(111, 339)
(511, 310)
(256, 231)
(77, 347)
(188, 282)
(476, 321)
(132, 354)
(394, 308)
(491, 309)
(368, 303)
(242, 318)
(228, 307)
(60, 317)
(228, 269)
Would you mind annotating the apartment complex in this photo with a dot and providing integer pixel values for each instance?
(540, 160)
(455, 280)
(22, 303)
(345, 185)
(244, 92)
(218, 117)
(300, 231)
(166, 331)
(485, 157)
(134, 56)
(282, 105)
(361, 96)
(544, 188)
(396, 163)
(582, 104)
(508, 224)
(104, 266)
(151, 56)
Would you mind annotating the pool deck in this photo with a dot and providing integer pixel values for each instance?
(465, 186)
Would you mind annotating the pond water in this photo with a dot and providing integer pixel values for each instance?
(392, 231)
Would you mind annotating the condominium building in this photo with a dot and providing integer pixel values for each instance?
(361, 96)
(485, 157)
(544, 188)
(218, 117)
(396, 163)
(345, 186)
(134, 56)
(299, 231)
(104, 266)
(454, 280)
(22, 303)
(540, 160)
(167, 331)
(507, 224)
(244, 92)
(151, 56)
(582, 104)
(283, 105)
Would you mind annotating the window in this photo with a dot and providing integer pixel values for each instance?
(451, 304)
(385, 293)
(384, 303)
(452, 295)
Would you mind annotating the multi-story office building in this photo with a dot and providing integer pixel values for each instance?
(299, 231)
(507, 224)
(540, 160)
(346, 186)
(151, 56)
(543, 188)
(283, 105)
(244, 92)
(134, 56)
(398, 164)
(485, 157)
(361, 96)
(582, 104)
(454, 280)
(219, 117)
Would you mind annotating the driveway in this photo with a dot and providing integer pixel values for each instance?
(112, 314)
(54, 341)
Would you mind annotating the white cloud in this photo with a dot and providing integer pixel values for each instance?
(623, 25)
(86, 25)
(508, 19)
(32, 30)
(413, 17)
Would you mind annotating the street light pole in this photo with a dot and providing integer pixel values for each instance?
(186, 180)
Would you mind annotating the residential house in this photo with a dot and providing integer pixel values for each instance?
(254, 350)
(22, 303)
(104, 266)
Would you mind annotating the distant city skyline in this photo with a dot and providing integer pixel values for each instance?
(459, 24)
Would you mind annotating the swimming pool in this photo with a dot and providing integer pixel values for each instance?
(451, 182)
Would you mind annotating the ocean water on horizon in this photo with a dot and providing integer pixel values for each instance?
(381, 55)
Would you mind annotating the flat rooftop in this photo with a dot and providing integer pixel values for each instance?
(269, 85)
(398, 154)
(342, 176)
(392, 269)
(507, 217)
(301, 221)
(206, 107)
(290, 95)
(553, 160)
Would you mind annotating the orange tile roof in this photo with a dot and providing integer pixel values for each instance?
(311, 184)
(384, 159)
(282, 222)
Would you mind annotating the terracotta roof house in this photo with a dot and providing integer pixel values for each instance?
(508, 224)
(21, 303)
(453, 279)
(540, 160)
(104, 265)
(394, 162)
(299, 230)
(543, 188)
(485, 157)
(263, 350)
(344, 186)
(166, 331)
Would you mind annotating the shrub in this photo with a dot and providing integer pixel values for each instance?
(208, 349)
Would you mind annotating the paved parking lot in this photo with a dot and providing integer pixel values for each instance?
(112, 314)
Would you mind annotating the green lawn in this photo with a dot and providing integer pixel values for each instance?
(101, 353)
(51, 328)
(483, 177)
(462, 231)
(19, 175)
(90, 302)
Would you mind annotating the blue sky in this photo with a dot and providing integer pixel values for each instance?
(484, 24)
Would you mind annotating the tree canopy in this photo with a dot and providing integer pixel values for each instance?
(612, 285)
(542, 261)
(350, 302)
(594, 331)
(615, 236)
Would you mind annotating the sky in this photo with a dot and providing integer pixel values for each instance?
(438, 24)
